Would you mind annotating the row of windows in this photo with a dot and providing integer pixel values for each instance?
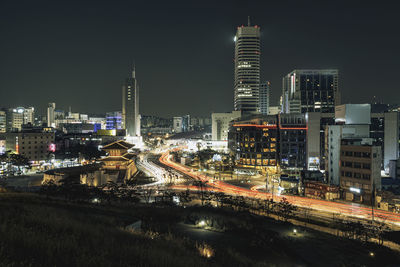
(356, 165)
(36, 137)
(259, 162)
(29, 142)
(356, 185)
(357, 154)
(29, 147)
(357, 175)
(322, 109)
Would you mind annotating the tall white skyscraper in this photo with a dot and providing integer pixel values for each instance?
(50, 115)
(247, 68)
(130, 106)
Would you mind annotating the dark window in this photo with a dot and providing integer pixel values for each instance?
(348, 154)
(366, 176)
(366, 166)
(366, 155)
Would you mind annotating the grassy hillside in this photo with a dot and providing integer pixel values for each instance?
(35, 231)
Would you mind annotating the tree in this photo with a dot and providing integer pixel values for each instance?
(147, 193)
(202, 185)
(219, 198)
(286, 209)
(19, 160)
(6, 160)
(49, 188)
(111, 188)
(268, 205)
(184, 197)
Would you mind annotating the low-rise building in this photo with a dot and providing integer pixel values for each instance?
(220, 124)
(360, 170)
(119, 160)
(118, 167)
(35, 143)
(319, 190)
(270, 142)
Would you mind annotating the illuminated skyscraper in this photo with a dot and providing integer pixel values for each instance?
(130, 106)
(247, 68)
(29, 115)
(50, 115)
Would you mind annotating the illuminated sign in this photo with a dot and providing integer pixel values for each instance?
(313, 163)
(16, 145)
(52, 147)
(355, 190)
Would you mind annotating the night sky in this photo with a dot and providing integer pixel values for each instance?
(79, 53)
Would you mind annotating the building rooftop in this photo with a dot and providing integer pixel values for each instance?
(120, 144)
(74, 170)
(125, 157)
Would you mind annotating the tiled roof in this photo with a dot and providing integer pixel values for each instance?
(120, 144)
(114, 158)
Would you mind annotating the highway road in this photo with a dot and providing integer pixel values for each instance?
(153, 170)
(342, 209)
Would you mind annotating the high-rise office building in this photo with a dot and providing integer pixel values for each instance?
(130, 106)
(15, 119)
(310, 91)
(50, 115)
(177, 124)
(114, 120)
(29, 115)
(264, 98)
(3, 121)
(247, 69)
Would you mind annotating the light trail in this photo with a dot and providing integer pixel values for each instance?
(349, 210)
(152, 169)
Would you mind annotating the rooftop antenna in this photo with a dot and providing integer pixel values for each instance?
(248, 21)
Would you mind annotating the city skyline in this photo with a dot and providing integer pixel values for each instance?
(222, 133)
(46, 66)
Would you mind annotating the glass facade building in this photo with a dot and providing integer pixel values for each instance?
(314, 90)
